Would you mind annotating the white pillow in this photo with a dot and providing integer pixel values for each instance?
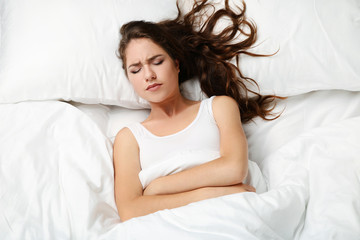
(318, 42)
(66, 49)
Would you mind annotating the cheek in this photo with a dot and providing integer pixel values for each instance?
(170, 71)
(135, 82)
(174, 74)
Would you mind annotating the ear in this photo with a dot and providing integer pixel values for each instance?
(177, 65)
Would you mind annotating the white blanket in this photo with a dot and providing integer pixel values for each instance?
(56, 182)
(56, 177)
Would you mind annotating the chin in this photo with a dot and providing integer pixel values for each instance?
(158, 99)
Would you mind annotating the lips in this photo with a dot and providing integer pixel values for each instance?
(153, 86)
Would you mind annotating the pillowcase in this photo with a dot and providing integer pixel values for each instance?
(66, 49)
(317, 41)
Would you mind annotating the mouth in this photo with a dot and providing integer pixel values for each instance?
(153, 86)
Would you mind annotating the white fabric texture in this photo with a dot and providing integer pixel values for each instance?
(316, 40)
(300, 114)
(68, 49)
(54, 183)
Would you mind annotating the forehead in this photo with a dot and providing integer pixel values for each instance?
(141, 49)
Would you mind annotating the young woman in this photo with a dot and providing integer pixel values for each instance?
(185, 151)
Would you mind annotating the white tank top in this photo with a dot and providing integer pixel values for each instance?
(198, 143)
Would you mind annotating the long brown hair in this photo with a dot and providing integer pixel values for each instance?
(206, 54)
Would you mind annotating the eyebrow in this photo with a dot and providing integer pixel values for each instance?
(147, 60)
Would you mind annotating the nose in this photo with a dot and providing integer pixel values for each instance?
(150, 75)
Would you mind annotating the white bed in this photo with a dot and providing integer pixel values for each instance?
(63, 98)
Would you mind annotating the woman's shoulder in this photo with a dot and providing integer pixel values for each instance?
(224, 102)
(125, 136)
(224, 106)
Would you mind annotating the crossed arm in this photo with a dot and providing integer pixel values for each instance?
(219, 177)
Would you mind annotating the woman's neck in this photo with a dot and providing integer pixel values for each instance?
(169, 108)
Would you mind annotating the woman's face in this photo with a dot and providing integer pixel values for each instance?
(151, 71)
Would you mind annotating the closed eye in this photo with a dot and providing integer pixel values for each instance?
(158, 62)
(136, 70)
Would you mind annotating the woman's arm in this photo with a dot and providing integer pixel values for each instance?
(129, 197)
(230, 169)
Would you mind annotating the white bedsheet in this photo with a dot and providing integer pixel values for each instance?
(56, 182)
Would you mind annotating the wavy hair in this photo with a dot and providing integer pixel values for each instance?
(207, 54)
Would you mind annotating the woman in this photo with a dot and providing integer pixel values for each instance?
(206, 137)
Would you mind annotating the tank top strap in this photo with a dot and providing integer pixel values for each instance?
(209, 108)
(137, 130)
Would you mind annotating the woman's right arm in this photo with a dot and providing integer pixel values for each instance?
(129, 197)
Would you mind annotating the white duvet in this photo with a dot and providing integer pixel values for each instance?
(56, 178)
(56, 182)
